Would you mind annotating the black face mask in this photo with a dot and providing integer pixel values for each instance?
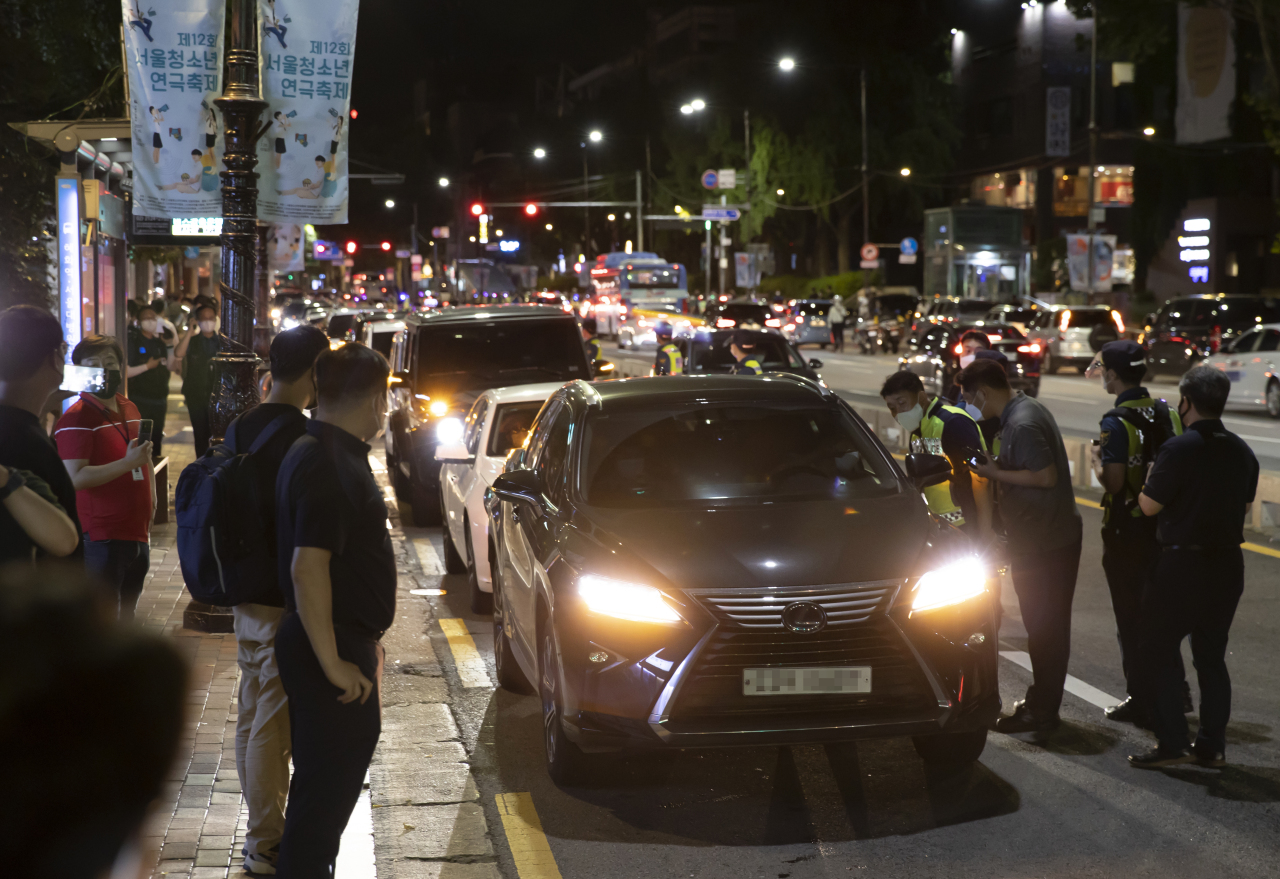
(1182, 413)
(113, 385)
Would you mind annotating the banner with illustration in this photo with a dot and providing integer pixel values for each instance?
(284, 248)
(1091, 262)
(173, 50)
(1206, 72)
(306, 52)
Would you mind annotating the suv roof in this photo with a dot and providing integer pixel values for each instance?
(492, 312)
(775, 387)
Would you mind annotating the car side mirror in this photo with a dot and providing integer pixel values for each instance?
(454, 453)
(927, 470)
(815, 363)
(520, 485)
(602, 368)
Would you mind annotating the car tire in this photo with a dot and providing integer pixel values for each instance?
(510, 677)
(481, 601)
(1048, 366)
(453, 562)
(1273, 398)
(425, 504)
(951, 749)
(566, 764)
(822, 346)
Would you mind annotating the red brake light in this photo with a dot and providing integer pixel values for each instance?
(723, 322)
(1033, 348)
(772, 322)
(1215, 339)
(959, 349)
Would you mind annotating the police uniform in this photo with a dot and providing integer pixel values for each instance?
(670, 360)
(593, 349)
(1205, 479)
(748, 366)
(1128, 537)
(948, 431)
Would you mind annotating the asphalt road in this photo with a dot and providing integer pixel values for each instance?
(1076, 402)
(1066, 806)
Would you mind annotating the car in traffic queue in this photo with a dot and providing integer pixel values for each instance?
(1252, 363)
(806, 322)
(934, 352)
(342, 323)
(1186, 331)
(378, 331)
(1020, 316)
(707, 352)
(710, 561)
(952, 310)
(743, 314)
(442, 361)
(472, 453)
(639, 328)
(1070, 335)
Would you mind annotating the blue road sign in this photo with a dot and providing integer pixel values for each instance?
(710, 179)
(710, 212)
(909, 246)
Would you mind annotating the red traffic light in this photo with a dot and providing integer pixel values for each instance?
(531, 210)
(351, 247)
(386, 245)
(477, 209)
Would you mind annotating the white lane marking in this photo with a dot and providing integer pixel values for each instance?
(355, 855)
(427, 556)
(1257, 439)
(1074, 685)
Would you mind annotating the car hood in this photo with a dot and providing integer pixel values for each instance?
(781, 544)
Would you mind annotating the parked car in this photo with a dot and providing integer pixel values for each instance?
(1252, 362)
(678, 564)
(934, 355)
(444, 360)
(743, 314)
(1070, 335)
(707, 353)
(497, 422)
(1185, 331)
(639, 327)
(806, 322)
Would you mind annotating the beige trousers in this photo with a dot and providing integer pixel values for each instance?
(262, 727)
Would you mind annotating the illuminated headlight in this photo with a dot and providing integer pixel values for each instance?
(275, 313)
(625, 601)
(952, 584)
(438, 408)
(289, 323)
(449, 430)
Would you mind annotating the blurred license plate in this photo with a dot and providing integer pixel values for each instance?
(1235, 375)
(789, 681)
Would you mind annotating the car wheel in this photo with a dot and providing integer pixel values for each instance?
(425, 504)
(565, 760)
(951, 749)
(481, 602)
(453, 562)
(510, 677)
(1048, 366)
(822, 346)
(1273, 399)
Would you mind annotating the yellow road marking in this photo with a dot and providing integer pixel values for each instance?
(1085, 502)
(465, 655)
(1252, 547)
(529, 847)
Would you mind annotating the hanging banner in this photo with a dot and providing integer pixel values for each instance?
(1078, 262)
(174, 56)
(284, 248)
(1206, 73)
(1057, 121)
(306, 56)
(1091, 262)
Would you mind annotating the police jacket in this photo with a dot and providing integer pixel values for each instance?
(946, 431)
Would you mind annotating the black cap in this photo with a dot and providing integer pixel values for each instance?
(745, 340)
(1123, 356)
(989, 354)
(589, 324)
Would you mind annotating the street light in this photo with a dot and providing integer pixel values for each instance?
(698, 105)
(686, 109)
(786, 65)
(905, 172)
(612, 217)
(443, 181)
(391, 202)
(595, 136)
(548, 227)
(782, 192)
(539, 153)
(1148, 131)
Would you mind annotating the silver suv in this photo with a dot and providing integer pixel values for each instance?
(1070, 335)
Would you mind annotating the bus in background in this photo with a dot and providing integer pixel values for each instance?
(624, 281)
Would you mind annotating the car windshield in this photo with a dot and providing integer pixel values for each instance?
(725, 452)
(743, 312)
(898, 304)
(511, 425)
(813, 308)
(655, 277)
(709, 353)
(494, 354)
(1088, 319)
(995, 332)
(973, 306)
(339, 324)
(382, 339)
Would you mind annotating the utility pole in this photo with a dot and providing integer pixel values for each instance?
(235, 367)
(1093, 139)
(866, 210)
(746, 138)
(586, 209)
(639, 213)
(710, 256)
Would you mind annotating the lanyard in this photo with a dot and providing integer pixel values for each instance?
(124, 434)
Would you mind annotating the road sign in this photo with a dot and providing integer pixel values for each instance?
(870, 253)
(907, 259)
(716, 212)
(439, 231)
(710, 179)
(402, 254)
(327, 250)
(728, 178)
(909, 246)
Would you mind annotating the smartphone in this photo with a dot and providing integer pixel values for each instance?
(144, 430)
(973, 457)
(83, 379)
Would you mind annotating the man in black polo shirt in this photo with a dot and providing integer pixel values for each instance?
(32, 356)
(1200, 488)
(338, 574)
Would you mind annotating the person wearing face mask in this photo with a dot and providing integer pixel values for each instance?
(110, 467)
(148, 371)
(743, 349)
(196, 350)
(935, 428)
(338, 576)
(1131, 434)
(1200, 490)
(971, 343)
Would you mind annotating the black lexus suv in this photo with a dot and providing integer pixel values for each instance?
(448, 358)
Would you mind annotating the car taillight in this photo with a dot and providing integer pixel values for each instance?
(723, 322)
(992, 338)
(1033, 348)
(1215, 339)
(799, 318)
(773, 322)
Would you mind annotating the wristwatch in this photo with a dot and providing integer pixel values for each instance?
(15, 482)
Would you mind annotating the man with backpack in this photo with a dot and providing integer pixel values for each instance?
(1131, 434)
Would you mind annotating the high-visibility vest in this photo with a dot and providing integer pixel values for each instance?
(670, 360)
(593, 349)
(929, 442)
(750, 366)
(1135, 474)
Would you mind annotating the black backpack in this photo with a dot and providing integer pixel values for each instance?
(224, 545)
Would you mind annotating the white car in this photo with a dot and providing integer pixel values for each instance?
(497, 422)
(1252, 362)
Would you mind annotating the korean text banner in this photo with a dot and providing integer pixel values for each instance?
(173, 49)
(307, 51)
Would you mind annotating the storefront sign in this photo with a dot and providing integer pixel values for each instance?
(69, 260)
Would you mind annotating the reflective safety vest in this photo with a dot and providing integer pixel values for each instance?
(750, 366)
(929, 442)
(1135, 474)
(593, 349)
(670, 360)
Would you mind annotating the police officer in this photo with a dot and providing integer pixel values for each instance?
(1200, 488)
(670, 360)
(589, 339)
(1131, 433)
(743, 349)
(936, 428)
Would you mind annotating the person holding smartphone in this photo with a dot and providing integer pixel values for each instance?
(150, 361)
(110, 466)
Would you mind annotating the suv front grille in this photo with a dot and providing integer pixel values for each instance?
(845, 604)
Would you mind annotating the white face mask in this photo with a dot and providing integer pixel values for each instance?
(978, 403)
(148, 326)
(910, 420)
(208, 326)
(966, 359)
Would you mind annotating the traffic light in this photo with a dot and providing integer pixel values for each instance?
(531, 210)
(351, 247)
(386, 245)
(477, 209)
